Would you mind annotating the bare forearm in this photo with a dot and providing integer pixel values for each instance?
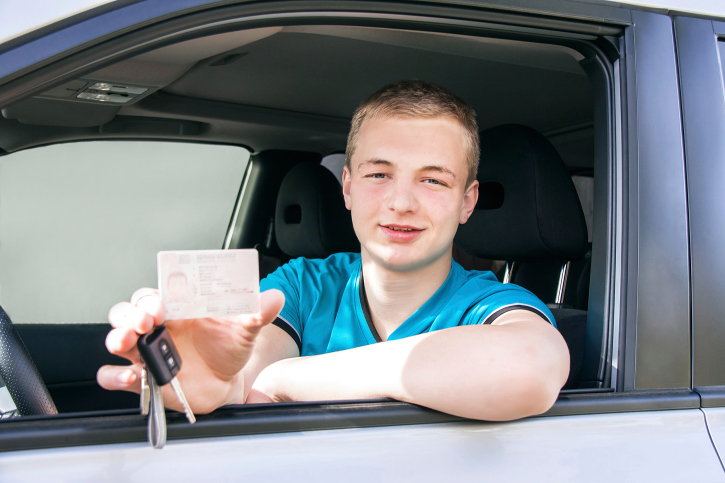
(483, 372)
(272, 345)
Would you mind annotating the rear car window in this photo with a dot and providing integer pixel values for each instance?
(80, 223)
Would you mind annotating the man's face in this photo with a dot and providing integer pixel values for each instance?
(407, 190)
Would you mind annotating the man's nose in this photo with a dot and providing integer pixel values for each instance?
(402, 197)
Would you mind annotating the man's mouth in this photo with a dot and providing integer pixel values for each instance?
(402, 228)
(401, 233)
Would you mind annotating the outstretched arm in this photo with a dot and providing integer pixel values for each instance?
(511, 369)
(222, 357)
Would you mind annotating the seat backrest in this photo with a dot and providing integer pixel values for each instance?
(542, 278)
(528, 208)
(529, 211)
(310, 217)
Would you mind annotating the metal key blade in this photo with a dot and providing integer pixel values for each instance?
(182, 399)
(145, 391)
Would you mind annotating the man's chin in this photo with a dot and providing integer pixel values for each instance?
(404, 261)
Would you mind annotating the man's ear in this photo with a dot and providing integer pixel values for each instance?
(346, 180)
(470, 198)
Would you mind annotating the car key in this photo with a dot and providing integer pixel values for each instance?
(145, 391)
(163, 363)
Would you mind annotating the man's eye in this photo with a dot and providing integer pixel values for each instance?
(435, 181)
(376, 175)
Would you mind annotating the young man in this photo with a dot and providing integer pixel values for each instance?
(399, 320)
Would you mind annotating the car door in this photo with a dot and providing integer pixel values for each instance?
(639, 418)
(701, 57)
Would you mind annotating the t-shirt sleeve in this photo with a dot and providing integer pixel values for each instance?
(286, 279)
(505, 298)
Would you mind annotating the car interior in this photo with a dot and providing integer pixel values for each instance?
(286, 93)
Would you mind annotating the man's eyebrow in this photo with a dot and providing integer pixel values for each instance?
(439, 169)
(376, 162)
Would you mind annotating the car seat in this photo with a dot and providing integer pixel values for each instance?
(310, 217)
(529, 213)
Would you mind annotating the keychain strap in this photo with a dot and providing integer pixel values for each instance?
(157, 416)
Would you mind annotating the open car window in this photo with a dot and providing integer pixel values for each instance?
(81, 221)
(287, 92)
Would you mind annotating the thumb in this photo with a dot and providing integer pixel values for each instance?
(270, 305)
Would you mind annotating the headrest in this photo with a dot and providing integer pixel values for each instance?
(528, 208)
(311, 219)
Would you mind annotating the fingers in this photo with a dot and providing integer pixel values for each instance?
(124, 315)
(131, 319)
(122, 342)
(144, 311)
(143, 292)
(127, 378)
(149, 300)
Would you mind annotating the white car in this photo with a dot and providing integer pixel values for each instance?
(130, 127)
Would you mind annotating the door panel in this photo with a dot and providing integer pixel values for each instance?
(703, 115)
(658, 271)
(716, 425)
(658, 446)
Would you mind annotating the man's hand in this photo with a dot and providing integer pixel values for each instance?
(213, 350)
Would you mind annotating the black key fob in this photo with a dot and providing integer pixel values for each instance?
(160, 355)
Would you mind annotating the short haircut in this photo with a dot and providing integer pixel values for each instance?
(418, 99)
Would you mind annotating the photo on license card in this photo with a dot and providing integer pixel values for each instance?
(208, 283)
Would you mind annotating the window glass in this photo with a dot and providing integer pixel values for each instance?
(80, 223)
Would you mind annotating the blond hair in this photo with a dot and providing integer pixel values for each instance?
(418, 99)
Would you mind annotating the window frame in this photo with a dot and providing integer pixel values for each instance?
(621, 94)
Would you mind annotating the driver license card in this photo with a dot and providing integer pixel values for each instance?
(208, 283)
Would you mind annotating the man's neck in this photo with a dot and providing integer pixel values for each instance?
(394, 296)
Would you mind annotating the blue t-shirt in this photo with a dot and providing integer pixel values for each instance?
(324, 311)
